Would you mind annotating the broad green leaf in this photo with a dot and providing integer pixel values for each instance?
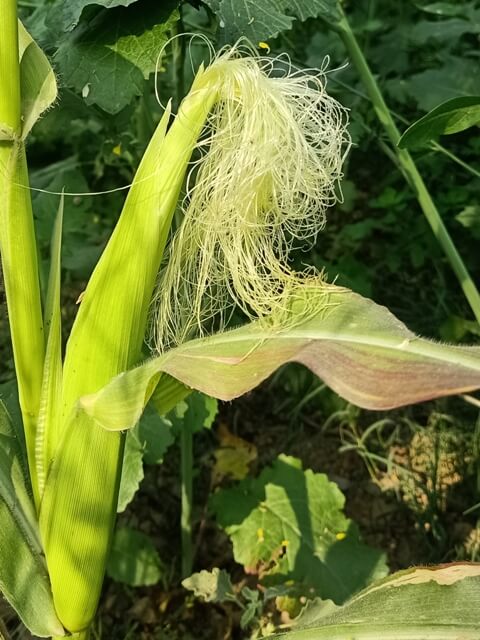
(68, 13)
(38, 84)
(155, 433)
(455, 78)
(23, 575)
(133, 559)
(212, 586)
(49, 414)
(450, 117)
(259, 21)
(195, 413)
(356, 346)
(148, 442)
(288, 524)
(108, 59)
(424, 603)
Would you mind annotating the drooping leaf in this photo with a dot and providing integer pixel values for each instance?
(212, 586)
(23, 574)
(288, 524)
(107, 59)
(356, 346)
(38, 84)
(133, 559)
(418, 604)
(450, 117)
(259, 21)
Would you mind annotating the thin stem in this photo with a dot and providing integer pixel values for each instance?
(468, 167)
(186, 447)
(409, 168)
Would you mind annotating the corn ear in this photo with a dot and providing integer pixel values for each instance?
(80, 499)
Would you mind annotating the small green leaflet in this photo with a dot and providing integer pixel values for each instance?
(288, 524)
(212, 586)
(133, 559)
(266, 19)
(449, 117)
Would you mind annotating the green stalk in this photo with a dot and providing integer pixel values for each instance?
(186, 448)
(409, 168)
(17, 238)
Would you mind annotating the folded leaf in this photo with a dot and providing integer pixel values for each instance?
(452, 116)
(23, 575)
(356, 346)
(38, 84)
(434, 603)
(48, 416)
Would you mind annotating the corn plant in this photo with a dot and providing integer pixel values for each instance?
(271, 147)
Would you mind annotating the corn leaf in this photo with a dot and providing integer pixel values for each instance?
(434, 603)
(356, 346)
(48, 416)
(23, 575)
(38, 84)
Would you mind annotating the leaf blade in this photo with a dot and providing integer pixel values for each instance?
(357, 347)
(452, 116)
(23, 575)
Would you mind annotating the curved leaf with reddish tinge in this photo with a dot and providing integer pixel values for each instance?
(357, 347)
(423, 603)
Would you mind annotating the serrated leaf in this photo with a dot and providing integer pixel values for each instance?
(450, 117)
(23, 574)
(259, 21)
(133, 559)
(212, 586)
(107, 59)
(196, 412)
(433, 603)
(155, 435)
(288, 524)
(357, 347)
